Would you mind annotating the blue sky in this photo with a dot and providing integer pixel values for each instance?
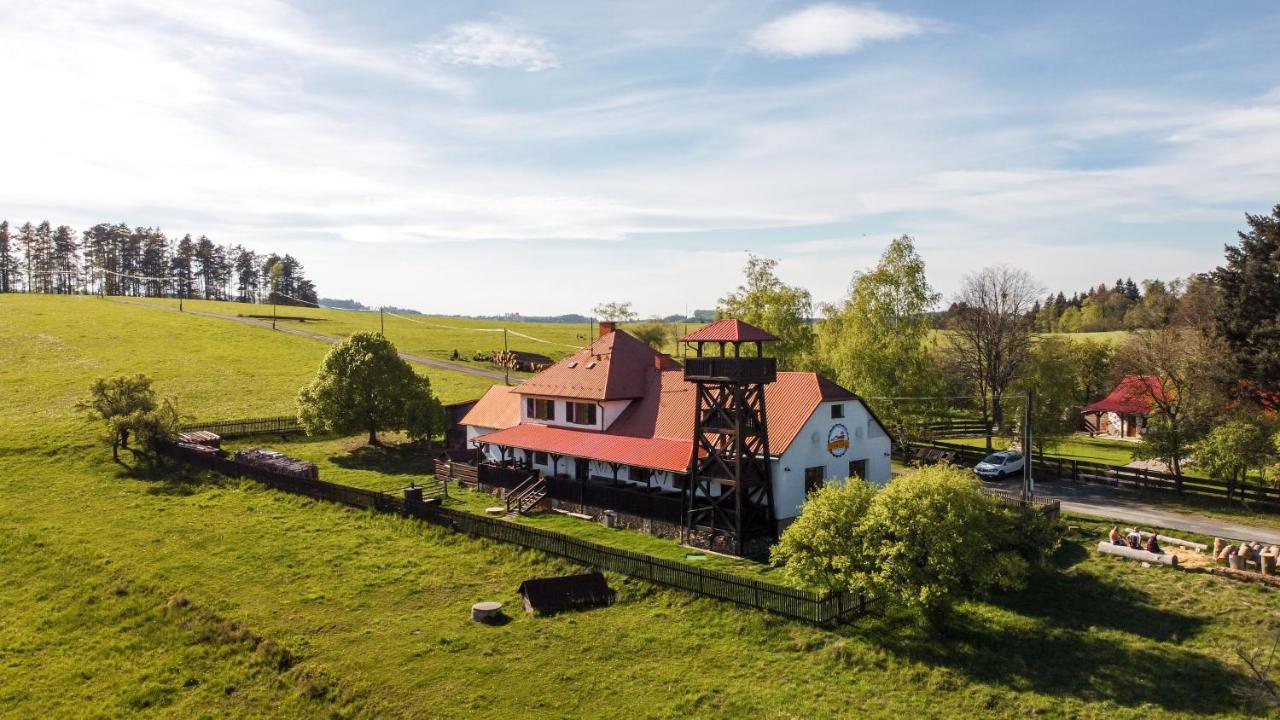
(544, 157)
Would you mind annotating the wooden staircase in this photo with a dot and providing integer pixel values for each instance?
(526, 495)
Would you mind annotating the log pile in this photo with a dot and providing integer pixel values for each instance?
(1246, 556)
(278, 462)
(200, 437)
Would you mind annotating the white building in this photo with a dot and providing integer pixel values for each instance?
(619, 412)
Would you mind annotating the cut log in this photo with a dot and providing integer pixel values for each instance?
(485, 611)
(1218, 544)
(1167, 540)
(1269, 564)
(1128, 553)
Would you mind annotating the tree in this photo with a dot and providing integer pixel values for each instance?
(1230, 449)
(8, 263)
(875, 342)
(1248, 313)
(1052, 372)
(933, 537)
(990, 335)
(614, 312)
(654, 333)
(770, 304)
(1070, 320)
(823, 547)
(1092, 361)
(425, 416)
(1180, 392)
(362, 385)
(119, 402)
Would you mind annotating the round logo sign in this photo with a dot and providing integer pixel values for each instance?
(838, 441)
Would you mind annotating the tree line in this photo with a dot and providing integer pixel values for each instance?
(114, 259)
(1126, 305)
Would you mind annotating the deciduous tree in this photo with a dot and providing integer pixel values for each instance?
(990, 336)
(363, 386)
(118, 402)
(614, 312)
(770, 304)
(876, 342)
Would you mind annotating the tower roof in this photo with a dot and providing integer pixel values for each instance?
(729, 330)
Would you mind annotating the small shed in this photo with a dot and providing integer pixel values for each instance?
(549, 595)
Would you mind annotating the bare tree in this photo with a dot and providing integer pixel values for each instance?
(990, 339)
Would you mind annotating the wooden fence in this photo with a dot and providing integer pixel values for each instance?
(278, 425)
(1057, 468)
(805, 605)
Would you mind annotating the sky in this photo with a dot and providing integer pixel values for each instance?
(542, 158)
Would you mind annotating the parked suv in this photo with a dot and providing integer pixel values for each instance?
(999, 465)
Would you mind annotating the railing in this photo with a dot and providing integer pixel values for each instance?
(729, 369)
(526, 494)
(641, 503)
(503, 476)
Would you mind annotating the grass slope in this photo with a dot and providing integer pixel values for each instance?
(309, 609)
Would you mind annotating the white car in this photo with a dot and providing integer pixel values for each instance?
(999, 465)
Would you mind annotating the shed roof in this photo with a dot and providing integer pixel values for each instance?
(569, 591)
(1133, 395)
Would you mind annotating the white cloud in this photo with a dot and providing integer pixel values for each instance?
(831, 30)
(486, 45)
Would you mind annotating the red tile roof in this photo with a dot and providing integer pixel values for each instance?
(729, 330)
(497, 408)
(1133, 395)
(614, 367)
(648, 452)
(662, 415)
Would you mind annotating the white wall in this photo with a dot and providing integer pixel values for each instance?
(866, 442)
(606, 412)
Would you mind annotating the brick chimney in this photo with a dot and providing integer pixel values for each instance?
(607, 327)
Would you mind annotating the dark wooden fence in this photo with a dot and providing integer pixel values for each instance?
(806, 605)
(1056, 468)
(278, 425)
(955, 428)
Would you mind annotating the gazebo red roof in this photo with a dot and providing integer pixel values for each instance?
(1132, 396)
(729, 330)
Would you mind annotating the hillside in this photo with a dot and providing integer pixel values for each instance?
(180, 595)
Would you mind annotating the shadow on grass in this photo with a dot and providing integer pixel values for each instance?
(1073, 635)
(404, 459)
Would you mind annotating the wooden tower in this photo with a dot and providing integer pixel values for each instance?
(729, 496)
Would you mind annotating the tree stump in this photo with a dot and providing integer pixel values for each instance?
(1269, 564)
(485, 611)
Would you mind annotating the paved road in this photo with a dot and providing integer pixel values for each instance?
(421, 360)
(1118, 504)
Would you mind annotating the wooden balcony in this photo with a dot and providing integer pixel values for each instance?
(747, 370)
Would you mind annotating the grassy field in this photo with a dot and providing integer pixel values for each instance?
(352, 461)
(180, 595)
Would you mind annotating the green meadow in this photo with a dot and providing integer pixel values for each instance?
(177, 594)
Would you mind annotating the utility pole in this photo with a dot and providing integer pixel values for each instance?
(273, 311)
(506, 361)
(382, 320)
(1028, 481)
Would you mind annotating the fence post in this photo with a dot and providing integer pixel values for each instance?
(1075, 471)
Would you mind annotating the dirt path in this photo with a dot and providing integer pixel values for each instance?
(421, 360)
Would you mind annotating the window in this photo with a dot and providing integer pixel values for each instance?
(837, 412)
(581, 413)
(540, 458)
(858, 469)
(813, 478)
(539, 409)
(638, 474)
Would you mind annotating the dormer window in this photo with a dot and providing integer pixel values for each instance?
(581, 413)
(539, 409)
(591, 364)
(574, 364)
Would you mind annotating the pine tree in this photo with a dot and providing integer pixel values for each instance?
(182, 267)
(1248, 314)
(8, 263)
(66, 252)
